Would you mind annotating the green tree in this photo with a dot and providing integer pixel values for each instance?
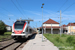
(2, 27)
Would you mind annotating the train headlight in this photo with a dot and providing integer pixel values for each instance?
(13, 32)
(23, 32)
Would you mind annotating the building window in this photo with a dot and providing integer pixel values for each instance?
(73, 27)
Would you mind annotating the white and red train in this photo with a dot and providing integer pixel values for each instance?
(21, 29)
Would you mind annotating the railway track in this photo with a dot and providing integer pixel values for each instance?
(12, 47)
(16, 44)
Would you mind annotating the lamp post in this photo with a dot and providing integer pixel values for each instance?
(39, 28)
(42, 21)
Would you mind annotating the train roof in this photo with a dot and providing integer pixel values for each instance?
(20, 21)
(25, 20)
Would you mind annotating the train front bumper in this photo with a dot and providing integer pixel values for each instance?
(18, 35)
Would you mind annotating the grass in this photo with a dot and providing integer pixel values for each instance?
(61, 42)
(7, 35)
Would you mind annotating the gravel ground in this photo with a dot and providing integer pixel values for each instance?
(20, 48)
(5, 43)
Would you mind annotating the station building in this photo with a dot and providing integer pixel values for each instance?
(9, 28)
(51, 26)
(69, 28)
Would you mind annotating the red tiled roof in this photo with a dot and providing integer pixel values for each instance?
(72, 24)
(50, 21)
(50, 27)
(64, 25)
(6, 25)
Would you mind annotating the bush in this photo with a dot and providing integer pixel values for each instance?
(69, 39)
(63, 35)
(73, 42)
(57, 39)
(2, 28)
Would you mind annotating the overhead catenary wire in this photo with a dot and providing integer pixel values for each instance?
(68, 7)
(20, 6)
(4, 14)
(3, 17)
(5, 10)
(17, 7)
(63, 5)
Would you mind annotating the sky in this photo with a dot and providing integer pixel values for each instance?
(11, 10)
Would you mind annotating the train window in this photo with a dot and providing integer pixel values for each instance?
(19, 26)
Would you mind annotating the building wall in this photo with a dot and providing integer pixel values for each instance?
(72, 28)
(50, 24)
(66, 28)
(8, 28)
(55, 31)
(48, 30)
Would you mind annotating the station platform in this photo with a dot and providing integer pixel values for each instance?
(36, 44)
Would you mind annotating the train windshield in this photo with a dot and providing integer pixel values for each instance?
(19, 26)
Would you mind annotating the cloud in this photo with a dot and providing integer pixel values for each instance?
(40, 19)
(45, 19)
(49, 11)
(46, 13)
(9, 20)
(50, 14)
(67, 16)
(36, 13)
(10, 15)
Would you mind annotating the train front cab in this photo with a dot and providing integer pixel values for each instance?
(19, 30)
